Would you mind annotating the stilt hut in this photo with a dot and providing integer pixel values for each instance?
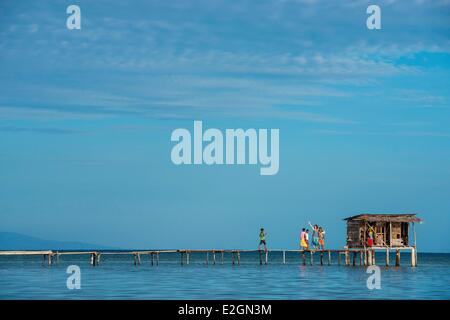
(388, 230)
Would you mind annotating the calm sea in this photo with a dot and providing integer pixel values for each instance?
(118, 278)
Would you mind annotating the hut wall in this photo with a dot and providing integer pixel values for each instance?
(355, 233)
(397, 239)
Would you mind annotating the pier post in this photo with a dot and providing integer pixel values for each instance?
(222, 256)
(397, 258)
(260, 257)
(413, 257)
(232, 257)
(360, 258)
(153, 258)
(94, 259)
(284, 257)
(369, 257)
(329, 257)
(181, 257)
(311, 257)
(157, 258)
(373, 257)
(187, 257)
(303, 257)
(207, 258)
(321, 258)
(214, 258)
(347, 258)
(354, 258)
(339, 258)
(387, 257)
(267, 256)
(239, 258)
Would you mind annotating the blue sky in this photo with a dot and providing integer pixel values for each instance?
(86, 117)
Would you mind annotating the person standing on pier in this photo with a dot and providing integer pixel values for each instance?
(303, 240)
(321, 239)
(315, 236)
(307, 239)
(262, 239)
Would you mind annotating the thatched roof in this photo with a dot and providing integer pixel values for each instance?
(392, 217)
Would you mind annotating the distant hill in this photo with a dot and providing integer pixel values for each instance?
(17, 241)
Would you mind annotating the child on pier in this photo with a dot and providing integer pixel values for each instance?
(321, 239)
(303, 241)
(262, 239)
(315, 236)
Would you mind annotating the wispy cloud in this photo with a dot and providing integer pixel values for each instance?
(151, 60)
(44, 130)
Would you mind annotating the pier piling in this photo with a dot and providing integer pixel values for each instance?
(413, 257)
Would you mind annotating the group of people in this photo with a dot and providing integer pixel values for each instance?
(318, 238)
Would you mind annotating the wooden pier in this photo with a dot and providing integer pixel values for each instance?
(346, 256)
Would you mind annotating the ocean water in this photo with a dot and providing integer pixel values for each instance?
(118, 278)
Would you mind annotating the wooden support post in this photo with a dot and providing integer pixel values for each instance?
(347, 258)
(157, 258)
(239, 257)
(153, 258)
(311, 257)
(267, 256)
(222, 256)
(339, 258)
(415, 243)
(413, 257)
(260, 257)
(187, 257)
(321, 258)
(284, 257)
(360, 258)
(329, 257)
(214, 257)
(232, 257)
(397, 258)
(387, 257)
(138, 258)
(207, 258)
(303, 258)
(354, 258)
(181, 258)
